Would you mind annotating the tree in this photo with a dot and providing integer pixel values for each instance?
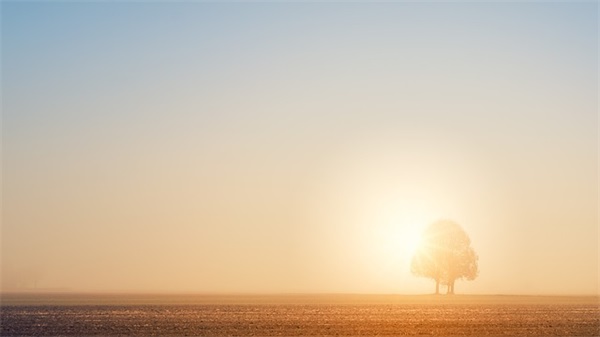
(445, 255)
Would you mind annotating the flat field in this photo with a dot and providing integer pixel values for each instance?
(297, 315)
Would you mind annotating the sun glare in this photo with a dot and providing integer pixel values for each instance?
(398, 241)
(407, 238)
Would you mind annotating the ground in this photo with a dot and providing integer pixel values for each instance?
(298, 315)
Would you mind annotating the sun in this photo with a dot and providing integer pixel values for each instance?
(398, 241)
(391, 234)
(410, 240)
(407, 238)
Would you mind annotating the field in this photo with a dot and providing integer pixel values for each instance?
(297, 315)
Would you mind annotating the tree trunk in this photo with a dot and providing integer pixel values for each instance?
(451, 287)
(437, 287)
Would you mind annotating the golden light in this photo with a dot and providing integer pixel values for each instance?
(396, 237)
(399, 240)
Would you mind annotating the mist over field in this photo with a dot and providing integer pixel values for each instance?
(297, 147)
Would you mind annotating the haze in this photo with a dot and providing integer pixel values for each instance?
(297, 147)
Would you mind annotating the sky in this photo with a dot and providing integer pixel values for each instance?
(297, 147)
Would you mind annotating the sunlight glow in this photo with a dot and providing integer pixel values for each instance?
(400, 240)
(398, 236)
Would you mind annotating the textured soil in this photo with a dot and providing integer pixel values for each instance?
(338, 315)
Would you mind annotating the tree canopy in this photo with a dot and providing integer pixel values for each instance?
(445, 255)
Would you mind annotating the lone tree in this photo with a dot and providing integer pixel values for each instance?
(445, 255)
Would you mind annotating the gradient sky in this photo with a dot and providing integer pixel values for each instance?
(273, 147)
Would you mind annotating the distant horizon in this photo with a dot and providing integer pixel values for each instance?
(125, 292)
